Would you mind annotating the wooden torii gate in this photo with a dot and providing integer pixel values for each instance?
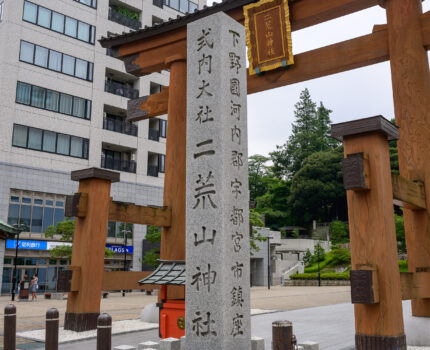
(404, 41)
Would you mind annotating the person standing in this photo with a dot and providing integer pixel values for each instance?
(34, 286)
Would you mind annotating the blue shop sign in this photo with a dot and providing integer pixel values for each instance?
(120, 248)
(26, 244)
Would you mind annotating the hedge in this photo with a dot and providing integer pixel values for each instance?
(324, 276)
(314, 267)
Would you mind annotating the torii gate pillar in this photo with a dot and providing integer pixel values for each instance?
(411, 90)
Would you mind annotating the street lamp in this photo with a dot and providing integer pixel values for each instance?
(268, 262)
(125, 232)
(19, 228)
(318, 257)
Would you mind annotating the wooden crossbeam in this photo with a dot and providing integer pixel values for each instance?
(415, 285)
(408, 194)
(125, 280)
(148, 106)
(76, 206)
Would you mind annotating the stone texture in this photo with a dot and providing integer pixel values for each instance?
(310, 345)
(124, 347)
(170, 344)
(148, 345)
(257, 343)
(218, 271)
(417, 330)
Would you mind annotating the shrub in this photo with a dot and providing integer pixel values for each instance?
(403, 265)
(314, 266)
(319, 254)
(341, 256)
(307, 258)
(339, 232)
(324, 276)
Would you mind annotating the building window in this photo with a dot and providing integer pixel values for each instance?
(35, 96)
(155, 88)
(179, 5)
(55, 61)
(163, 128)
(117, 229)
(59, 23)
(49, 141)
(36, 210)
(90, 3)
(161, 163)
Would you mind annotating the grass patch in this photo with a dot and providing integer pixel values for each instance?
(345, 276)
(403, 265)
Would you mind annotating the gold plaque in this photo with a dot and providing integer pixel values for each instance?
(181, 322)
(268, 35)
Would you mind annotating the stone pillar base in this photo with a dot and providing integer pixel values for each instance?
(80, 322)
(378, 342)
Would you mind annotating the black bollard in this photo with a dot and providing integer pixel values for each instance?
(52, 324)
(9, 338)
(104, 332)
(282, 336)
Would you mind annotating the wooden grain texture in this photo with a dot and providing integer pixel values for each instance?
(89, 249)
(148, 106)
(125, 280)
(408, 194)
(415, 285)
(364, 285)
(411, 92)
(355, 170)
(373, 238)
(141, 215)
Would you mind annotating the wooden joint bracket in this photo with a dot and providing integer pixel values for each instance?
(356, 172)
(147, 107)
(136, 214)
(76, 205)
(69, 280)
(408, 194)
(364, 285)
(416, 285)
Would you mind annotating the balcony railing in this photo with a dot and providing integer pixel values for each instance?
(154, 135)
(119, 126)
(153, 170)
(117, 17)
(121, 90)
(128, 166)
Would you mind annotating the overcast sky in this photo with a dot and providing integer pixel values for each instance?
(355, 94)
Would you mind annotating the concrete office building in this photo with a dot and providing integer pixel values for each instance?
(63, 101)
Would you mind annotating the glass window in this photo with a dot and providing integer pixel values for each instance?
(27, 52)
(71, 27)
(193, 7)
(93, 34)
(63, 144)
(52, 262)
(41, 56)
(25, 215)
(83, 31)
(66, 103)
(13, 214)
(57, 22)
(88, 110)
(58, 216)
(90, 71)
(49, 202)
(19, 136)
(52, 100)
(76, 147)
(79, 107)
(161, 163)
(184, 6)
(55, 60)
(31, 262)
(26, 200)
(49, 141)
(63, 262)
(59, 204)
(174, 4)
(23, 92)
(86, 146)
(36, 219)
(163, 128)
(14, 199)
(44, 18)
(35, 139)
(38, 201)
(7, 261)
(30, 12)
(48, 218)
(38, 97)
(68, 65)
(81, 69)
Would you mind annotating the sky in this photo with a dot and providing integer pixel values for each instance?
(360, 93)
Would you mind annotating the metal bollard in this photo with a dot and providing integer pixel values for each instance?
(104, 332)
(9, 338)
(52, 324)
(282, 336)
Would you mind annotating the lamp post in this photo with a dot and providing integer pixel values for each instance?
(19, 228)
(268, 262)
(126, 232)
(318, 257)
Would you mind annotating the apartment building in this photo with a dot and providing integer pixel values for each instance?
(63, 101)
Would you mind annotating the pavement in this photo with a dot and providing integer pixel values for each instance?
(322, 314)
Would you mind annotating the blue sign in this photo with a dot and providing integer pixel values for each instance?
(120, 248)
(25, 244)
(48, 245)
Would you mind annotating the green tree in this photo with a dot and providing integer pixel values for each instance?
(66, 230)
(307, 258)
(255, 221)
(400, 233)
(339, 232)
(319, 254)
(258, 171)
(310, 134)
(340, 256)
(153, 235)
(317, 191)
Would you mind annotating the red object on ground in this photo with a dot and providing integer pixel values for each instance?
(172, 317)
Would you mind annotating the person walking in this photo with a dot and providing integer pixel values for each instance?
(34, 286)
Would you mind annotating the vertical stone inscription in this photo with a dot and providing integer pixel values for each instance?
(217, 223)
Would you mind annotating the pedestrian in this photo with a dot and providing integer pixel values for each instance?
(34, 286)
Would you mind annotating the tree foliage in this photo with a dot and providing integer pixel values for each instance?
(151, 258)
(258, 172)
(339, 232)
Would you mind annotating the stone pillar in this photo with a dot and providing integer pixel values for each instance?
(411, 91)
(217, 221)
(83, 306)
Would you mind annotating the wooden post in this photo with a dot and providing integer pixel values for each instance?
(173, 237)
(379, 321)
(104, 332)
(52, 324)
(83, 306)
(282, 335)
(411, 90)
(9, 336)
